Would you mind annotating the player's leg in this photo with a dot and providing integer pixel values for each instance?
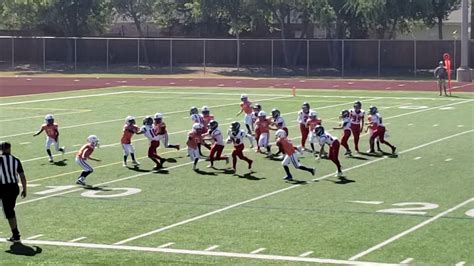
(257, 139)
(334, 156)
(297, 165)
(285, 163)
(304, 134)
(312, 140)
(126, 152)
(356, 133)
(444, 87)
(263, 141)
(86, 170)
(49, 142)
(248, 123)
(383, 141)
(344, 141)
(132, 154)
(167, 145)
(9, 193)
(194, 156)
(212, 153)
(241, 156)
(219, 156)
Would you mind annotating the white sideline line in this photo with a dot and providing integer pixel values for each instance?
(461, 263)
(211, 248)
(257, 251)
(410, 230)
(166, 245)
(34, 237)
(275, 192)
(202, 253)
(65, 98)
(77, 239)
(305, 254)
(406, 261)
(367, 202)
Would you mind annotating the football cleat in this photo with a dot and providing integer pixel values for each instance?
(136, 163)
(14, 239)
(81, 182)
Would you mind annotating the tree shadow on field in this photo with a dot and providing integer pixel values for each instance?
(201, 172)
(23, 250)
(61, 163)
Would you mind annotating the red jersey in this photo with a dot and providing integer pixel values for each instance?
(312, 123)
(51, 130)
(160, 128)
(286, 146)
(128, 131)
(263, 126)
(85, 152)
(207, 119)
(194, 138)
(246, 107)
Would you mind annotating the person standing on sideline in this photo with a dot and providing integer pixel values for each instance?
(441, 75)
(10, 170)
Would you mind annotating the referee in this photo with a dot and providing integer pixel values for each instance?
(10, 170)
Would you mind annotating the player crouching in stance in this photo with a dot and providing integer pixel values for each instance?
(290, 155)
(236, 136)
(52, 135)
(160, 129)
(217, 144)
(333, 142)
(378, 130)
(194, 139)
(148, 130)
(346, 126)
(83, 155)
(128, 130)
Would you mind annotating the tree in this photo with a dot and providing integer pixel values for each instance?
(435, 11)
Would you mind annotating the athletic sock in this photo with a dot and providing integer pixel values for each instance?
(133, 156)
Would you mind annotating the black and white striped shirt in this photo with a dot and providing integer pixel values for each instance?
(10, 168)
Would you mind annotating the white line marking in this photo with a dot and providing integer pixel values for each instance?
(367, 202)
(77, 239)
(435, 125)
(460, 125)
(34, 237)
(305, 254)
(166, 245)
(24, 143)
(257, 251)
(406, 261)
(65, 98)
(416, 158)
(461, 263)
(274, 192)
(448, 159)
(410, 230)
(211, 248)
(411, 124)
(202, 253)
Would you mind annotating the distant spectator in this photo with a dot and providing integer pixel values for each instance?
(441, 74)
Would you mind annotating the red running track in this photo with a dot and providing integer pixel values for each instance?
(11, 86)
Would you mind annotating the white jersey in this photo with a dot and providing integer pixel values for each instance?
(237, 138)
(376, 120)
(217, 137)
(346, 123)
(149, 132)
(280, 122)
(356, 117)
(302, 117)
(197, 118)
(326, 138)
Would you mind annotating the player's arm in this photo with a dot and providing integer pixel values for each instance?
(362, 121)
(321, 151)
(238, 113)
(39, 132)
(21, 174)
(94, 159)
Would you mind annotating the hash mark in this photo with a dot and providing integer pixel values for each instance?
(305, 254)
(211, 248)
(257, 251)
(166, 245)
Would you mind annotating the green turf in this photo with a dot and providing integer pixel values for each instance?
(312, 216)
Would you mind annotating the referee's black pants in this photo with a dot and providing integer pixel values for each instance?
(8, 195)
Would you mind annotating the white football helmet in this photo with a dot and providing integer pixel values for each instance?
(129, 120)
(243, 96)
(94, 140)
(313, 114)
(49, 118)
(280, 133)
(196, 126)
(262, 113)
(158, 116)
(205, 109)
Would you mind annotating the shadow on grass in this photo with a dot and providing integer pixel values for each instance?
(23, 250)
(171, 160)
(98, 188)
(357, 158)
(342, 181)
(61, 163)
(250, 176)
(137, 169)
(201, 172)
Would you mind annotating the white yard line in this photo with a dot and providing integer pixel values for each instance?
(65, 98)
(461, 263)
(367, 202)
(77, 239)
(306, 254)
(34, 237)
(166, 245)
(257, 251)
(406, 261)
(42, 116)
(199, 217)
(211, 248)
(201, 253)
(410, 230)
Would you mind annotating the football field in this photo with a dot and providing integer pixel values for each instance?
(415, 208)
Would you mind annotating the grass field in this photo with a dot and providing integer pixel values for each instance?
(415, 208)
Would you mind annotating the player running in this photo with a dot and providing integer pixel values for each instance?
(129, 129)
(236, 136)
(206, 117)
(217, 144)
(303, 115)
(83, 155)
(149, 132)
(263, 126)
(311, 124)
(194, 139)
(246, 107)
(197, 119)
(357, 122)
(345, 125)
(52, 135)
(378, 130)
(333, 142)
(160, 128)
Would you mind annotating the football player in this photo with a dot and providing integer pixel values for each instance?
(160, 128)
(246, 107)
(357, 122)
(263, 126)
(303, 115)
(378, 130)
(345, 125)
(236, 137)
(333, 142)
(129, 129)
(311, 123)
(149, 132)
(83, 155)
(197, 119)
(290, 155)
(52, 135)
(194, 139)
(279, 121)
(206, 117)
(217, 144)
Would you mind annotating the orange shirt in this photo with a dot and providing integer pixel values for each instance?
(263, 125)
(312, 123)
(194, 138)
(128, 131)
(246, 107)
(51, 130)
(207, 119)
(286, 146)
(85, 152)
(160, 129)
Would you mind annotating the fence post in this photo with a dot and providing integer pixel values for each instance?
(44, 54)
(171, 55)
(204, 56)
(414, 58)
(342, 58)
(107, 54)
(138, 54)
(454, 59)
(75, 54)
(272, 57)
(238, 55)
(378, 63)
(13, 52)
(307, 58)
